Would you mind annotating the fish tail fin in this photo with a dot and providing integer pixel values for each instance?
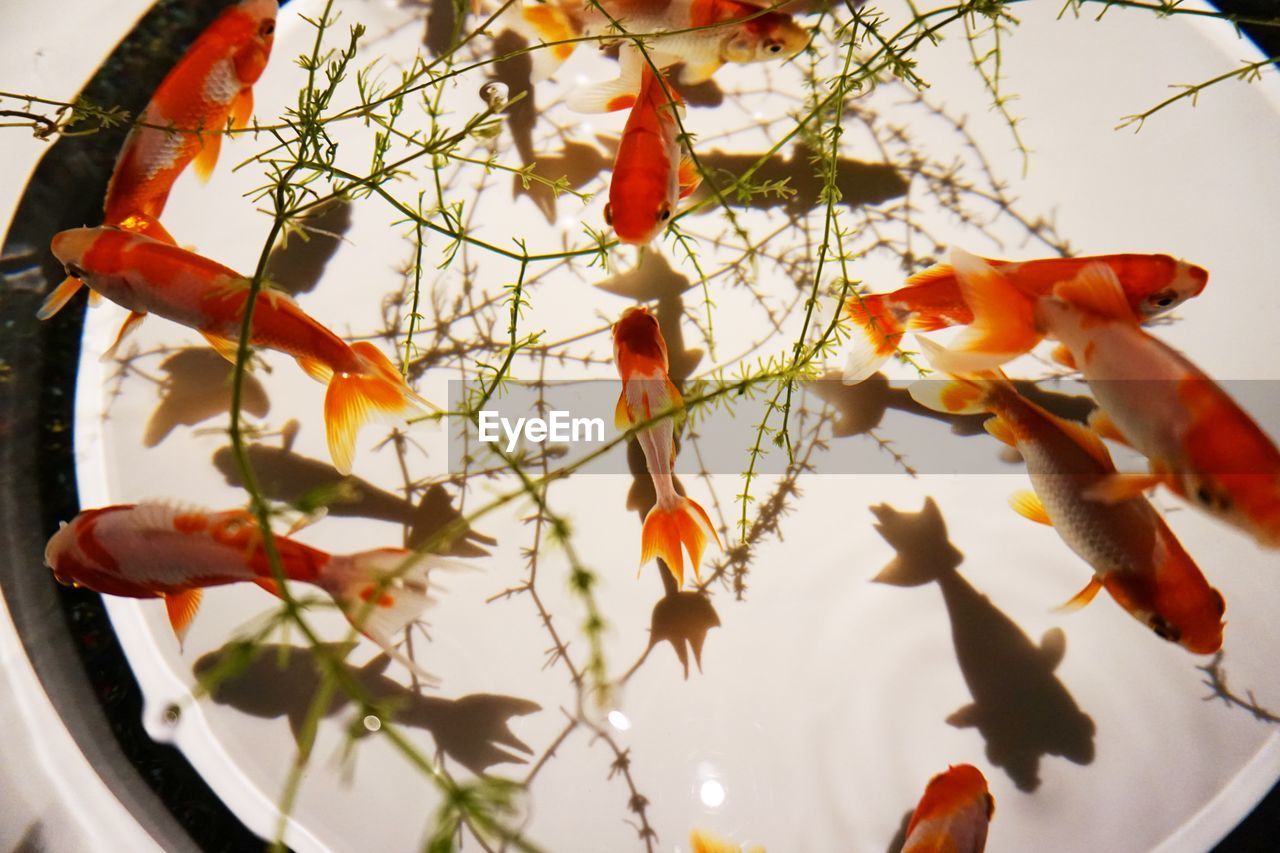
(955, 395)
(541, 24)
(914, 566)
(382, 591)
(1003, 324)
(876, 337)
(617, 94)
(377, 390)
(667, 530)
(58, 299)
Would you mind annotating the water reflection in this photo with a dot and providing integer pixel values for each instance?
(197, 386)
(280, 681)
(288, 477)
(1020, 708)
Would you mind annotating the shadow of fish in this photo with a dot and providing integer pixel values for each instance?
(578, 163)
(296, 266)
(196, 387)
(280, 680)
(1020, 708)
(859, 183)
(287, 477)
(654, 280)
(683, 620)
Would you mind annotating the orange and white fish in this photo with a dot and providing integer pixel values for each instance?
(932, 300)
(1199, 442)
(649, 173)
(211, 83)
(147, 276)
(705, 842)
(703, 35)
(640, 354)
(1131, 550)
(157, 550)
(953, 814)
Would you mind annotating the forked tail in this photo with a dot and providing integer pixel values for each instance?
(667, 531)
(376, 390)
(382, 591)
(877, 335)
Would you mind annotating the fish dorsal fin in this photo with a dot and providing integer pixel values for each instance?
(689, 177)
(1081, 598)
(937, 272)
(1088, 440)
(1053, 645)
(242, 108)
(1096, 289)
(210, 144)
(1028, 505)
(999, 429)
(182, 607)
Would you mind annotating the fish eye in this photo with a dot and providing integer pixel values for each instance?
(1163, 299)
(1164, 630)
(75, 271)
(664, 214)
(266, 28)
(1219, 603)
(774, 47)
(608, 214)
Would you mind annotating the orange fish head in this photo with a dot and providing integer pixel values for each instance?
(638, 342)
(771, 36)
(1187, 281)
(96, 256)
(71, 246)
(962, 787)
(250, 27)
(639, 211)
(1175, 601)
(1248, 501)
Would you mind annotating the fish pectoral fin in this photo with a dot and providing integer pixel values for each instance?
(1101, 423)
(1028, 505)
(225, 347)
(694, 73)
(622, 417)
(210, 145)
(1121, 486)
(965, 718)
(1062, 355)
(130, 323)
(999, 429)
(689, 178)
(242, 109)
(95, 298)
(1096, 289)
(60, 296)
(1081, 598)
(1053, 646)
(182, 607)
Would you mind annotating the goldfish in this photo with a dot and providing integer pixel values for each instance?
(158, 550)
(953, 814)
(211, 83)
(705, 842)
(701, 34)
(146, 276)
(1132, 551)
(1198, 441)
(649, 174)
(931, 300)
(640, 353)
